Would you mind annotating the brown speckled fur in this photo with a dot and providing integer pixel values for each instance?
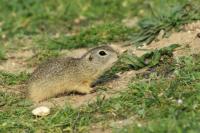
(64, 74)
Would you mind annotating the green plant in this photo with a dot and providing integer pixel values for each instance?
(12, 79)
(2, 53)
(165, 17)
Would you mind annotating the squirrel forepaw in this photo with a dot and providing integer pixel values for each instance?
(86, 90)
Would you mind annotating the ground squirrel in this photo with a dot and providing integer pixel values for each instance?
(65, 74)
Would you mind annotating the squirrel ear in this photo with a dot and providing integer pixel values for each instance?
(90, 58)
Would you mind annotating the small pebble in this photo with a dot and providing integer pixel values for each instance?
(139, 125)
(41, 111)
(179, 101)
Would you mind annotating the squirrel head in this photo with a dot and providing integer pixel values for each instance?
(102, 57)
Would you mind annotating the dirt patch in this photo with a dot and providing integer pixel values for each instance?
(100, 128)
(110, 125)
(189, 41)
(16, 61)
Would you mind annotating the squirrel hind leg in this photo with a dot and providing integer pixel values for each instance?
(38, 94)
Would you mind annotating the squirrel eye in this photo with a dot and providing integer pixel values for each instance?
(102, 53)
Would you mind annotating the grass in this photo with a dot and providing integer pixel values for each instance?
(12, 79)
(96, 35)
(163, 99)
(173, 102)
(166, 17)
(35, 17)
(2, 55)
(55, 30)
(128, 61)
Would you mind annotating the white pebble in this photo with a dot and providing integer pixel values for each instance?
(179, 101)
(41, 111)
(139, 125)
